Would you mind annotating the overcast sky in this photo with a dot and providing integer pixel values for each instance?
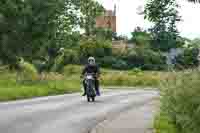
(128, 19)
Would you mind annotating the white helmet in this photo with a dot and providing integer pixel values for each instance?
(91, 60)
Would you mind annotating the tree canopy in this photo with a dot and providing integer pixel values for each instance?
(30, 26)
(164, 15)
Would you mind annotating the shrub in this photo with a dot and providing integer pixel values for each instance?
(120, 64)
(136, 71)
(163, 124)
(96, 48)
(58, 63)
(67, 56)
(27, 72)
(181, 102)
(72, 69)
(107, 61)
(71, 56)
(145, 59)
(188, 59)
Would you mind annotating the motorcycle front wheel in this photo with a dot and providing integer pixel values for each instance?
(88, 98)
(93, 99)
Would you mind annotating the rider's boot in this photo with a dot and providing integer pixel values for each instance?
(97, 88)
(84, 89)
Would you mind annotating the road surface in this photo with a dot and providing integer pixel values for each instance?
(69, 113)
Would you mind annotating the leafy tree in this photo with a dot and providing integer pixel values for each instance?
(95, 47)
(89, 9)
(195, 43)
(188, 59)
(103, 33)
(164, 15)
(140, 37)
(28, 25)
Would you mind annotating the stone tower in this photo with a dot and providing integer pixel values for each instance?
(108, 20)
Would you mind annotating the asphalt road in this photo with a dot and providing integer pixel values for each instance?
(68, 113)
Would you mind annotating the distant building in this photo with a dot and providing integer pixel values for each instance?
(107, 20)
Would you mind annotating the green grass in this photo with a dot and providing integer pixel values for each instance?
(163, 124)
(70, 81)
(180, 103)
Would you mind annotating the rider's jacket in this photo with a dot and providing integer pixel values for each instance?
(91, 69)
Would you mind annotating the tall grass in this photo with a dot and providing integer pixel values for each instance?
(69, 81)
(180, 101)
(27, 72)
(11, 89)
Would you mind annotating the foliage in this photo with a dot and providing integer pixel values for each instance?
(163, 124)
(32, 28)
(26, 26)
(164, 15)
(145, 59)
(71, 56)
(120, 64)
(103, 34)
(195, 43)
(188, 59)
(53, 84)
(69, 81)
(140, 37)
(107, 61)
(95, 47)
(67, 56)
(180, 101)
(195, 1)
(89, 9)
(27, 72)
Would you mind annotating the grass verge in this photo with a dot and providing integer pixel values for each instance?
(163, 124)
(69, 81)
(180, 104)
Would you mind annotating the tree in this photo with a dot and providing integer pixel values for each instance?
(103, 33)
(26, 25)
(141, 37)
(164, 15)
(89, 9)
(30, 26)
(195, 1)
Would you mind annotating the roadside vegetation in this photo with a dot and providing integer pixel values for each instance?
(40, 39)
(180, 106)
(25, 84)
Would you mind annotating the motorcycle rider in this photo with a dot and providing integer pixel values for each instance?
(92, 67)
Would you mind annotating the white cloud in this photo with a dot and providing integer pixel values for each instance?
(128, 19)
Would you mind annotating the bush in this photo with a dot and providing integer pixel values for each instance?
(65, 57)
(163, 124)
(96, 48)
(188, 59)
(145, 59)
(71, 56)
(72, 69)
(120, 64)
(27, 72)
(107, 61)
(136, 71)
(181, 102)
(58, 64)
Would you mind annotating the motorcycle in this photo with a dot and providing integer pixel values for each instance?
(90, 87)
